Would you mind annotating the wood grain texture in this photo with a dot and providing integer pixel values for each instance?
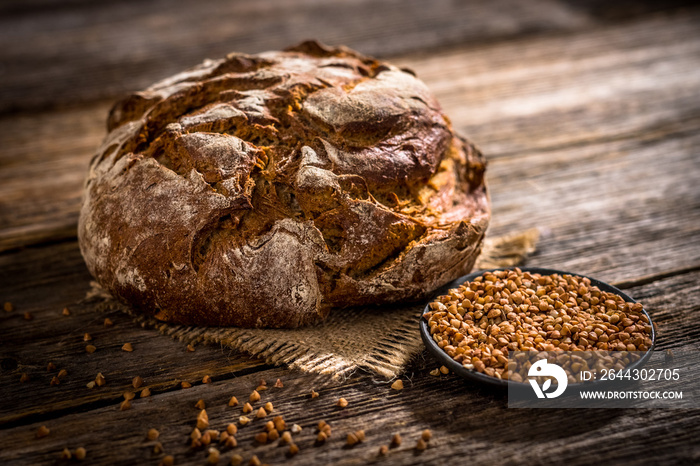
(43, 281)
(589, 117)
(467, 420)
(634, 82)
(65, 53)
(43, 164)
(614, 210)
(61, 54)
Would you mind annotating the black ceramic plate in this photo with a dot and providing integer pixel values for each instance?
(460, 370)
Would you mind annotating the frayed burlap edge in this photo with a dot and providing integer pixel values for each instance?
(381, 340)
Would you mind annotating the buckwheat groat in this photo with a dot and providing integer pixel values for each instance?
(263, 190)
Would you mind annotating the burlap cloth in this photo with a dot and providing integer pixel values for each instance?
(381, 340)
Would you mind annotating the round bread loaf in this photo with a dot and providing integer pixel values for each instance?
(264, 190)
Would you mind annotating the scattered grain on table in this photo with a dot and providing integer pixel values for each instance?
(136, 382)
(80, 453)
(202, 420)
(286, 438)
(42, 432)
(214, 456)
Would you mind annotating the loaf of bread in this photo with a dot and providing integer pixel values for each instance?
(264, 190)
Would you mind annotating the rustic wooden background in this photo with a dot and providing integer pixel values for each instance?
(589, 114)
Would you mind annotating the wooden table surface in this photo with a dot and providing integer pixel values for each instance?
(588, 112)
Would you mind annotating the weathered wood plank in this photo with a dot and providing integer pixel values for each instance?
(61, 55)
(615, 210)
(618, 231)
(43, 281)
(43, 163)
(632, 82)
(591, 135)
(467, 420)
(674, 304)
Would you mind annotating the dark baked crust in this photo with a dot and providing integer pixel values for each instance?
(262, 190)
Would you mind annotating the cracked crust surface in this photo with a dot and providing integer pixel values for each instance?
(264, 190)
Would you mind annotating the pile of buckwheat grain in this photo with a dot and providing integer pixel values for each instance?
(480, 322)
